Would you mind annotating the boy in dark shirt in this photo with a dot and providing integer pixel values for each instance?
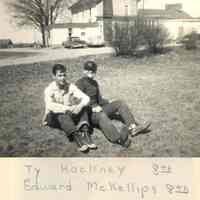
(101, 110)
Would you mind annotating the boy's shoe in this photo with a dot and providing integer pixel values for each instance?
(78, 138)
(87, 138)
(89, 141)
(125, 144)
(140, 128)
(124, 141)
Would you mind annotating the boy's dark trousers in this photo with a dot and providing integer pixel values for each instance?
(68, 122)
(103, 119)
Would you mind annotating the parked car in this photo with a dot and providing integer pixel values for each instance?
(74, 42)
(37, 45)
(96, 43)
(6, 43)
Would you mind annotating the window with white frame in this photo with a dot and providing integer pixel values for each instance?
(126, 10)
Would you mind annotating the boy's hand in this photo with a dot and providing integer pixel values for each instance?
(76, 109)
(97, 109)
(73, 109)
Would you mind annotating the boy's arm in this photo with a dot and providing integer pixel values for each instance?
(84, 99)
(53, 106)
(80, 84)
(101, 100)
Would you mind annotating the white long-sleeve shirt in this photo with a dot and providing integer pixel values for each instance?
(58, 101)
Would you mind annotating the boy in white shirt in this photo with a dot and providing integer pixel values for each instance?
(61, 110)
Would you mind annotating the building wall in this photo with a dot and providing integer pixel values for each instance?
(86, 16)
(124, 7)
(178, 28)
(99, 8)
(89, 14)
(106, 8)
(58, 36)
(88, 34)
(102, 31)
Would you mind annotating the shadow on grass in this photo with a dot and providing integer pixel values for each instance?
(139, 54)
(12, 54)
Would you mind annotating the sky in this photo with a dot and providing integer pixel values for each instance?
(9, 30)
(192, 7)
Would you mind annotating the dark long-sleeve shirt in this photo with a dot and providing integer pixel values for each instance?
(91, 88)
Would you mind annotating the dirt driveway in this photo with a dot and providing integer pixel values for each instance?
(29, 55)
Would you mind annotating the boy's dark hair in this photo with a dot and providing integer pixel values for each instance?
(90, 66)
(58, 67)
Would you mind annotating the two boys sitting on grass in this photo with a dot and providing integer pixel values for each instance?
(60, 112)
(75, 108)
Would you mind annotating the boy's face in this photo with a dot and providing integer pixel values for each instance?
(60, 77)
(90, 74)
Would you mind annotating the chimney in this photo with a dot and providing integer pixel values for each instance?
(108, 8)
(176, 6)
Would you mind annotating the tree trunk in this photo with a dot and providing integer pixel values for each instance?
(43, 36)
(47, 37)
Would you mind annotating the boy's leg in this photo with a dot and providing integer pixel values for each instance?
(82, 118)
(51, 120)
(82, 121)
(101, 119)
(108, 129)
(66, 123)
(123, 110)
(85, 130)
(69, 127)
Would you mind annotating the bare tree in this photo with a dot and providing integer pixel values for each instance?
(39, 14)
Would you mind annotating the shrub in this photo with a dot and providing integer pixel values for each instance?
(125, 38)
(190, 41)
(6, 43)
(155, 37)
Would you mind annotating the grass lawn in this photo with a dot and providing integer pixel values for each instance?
(163, 89)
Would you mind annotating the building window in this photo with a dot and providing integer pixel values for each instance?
(126, 10)
(90, 12)
(101, 28)
(90, 15)
(69, 33)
